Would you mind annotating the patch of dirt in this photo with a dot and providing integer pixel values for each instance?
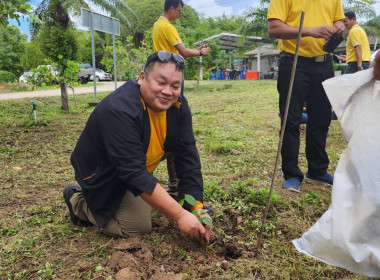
(139, 257)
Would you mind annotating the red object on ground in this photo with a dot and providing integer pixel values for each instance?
(252, 75)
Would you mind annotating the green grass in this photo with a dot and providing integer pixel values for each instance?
(236, 126)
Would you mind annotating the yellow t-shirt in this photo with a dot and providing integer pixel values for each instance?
(165, 36)
(317, 13)
(356, 37)
(157, 139)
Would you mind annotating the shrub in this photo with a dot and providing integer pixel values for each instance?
(14, 87)
(7, 77)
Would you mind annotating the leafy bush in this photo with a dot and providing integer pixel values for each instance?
(15, 87)
(7, 77)
(71, 75)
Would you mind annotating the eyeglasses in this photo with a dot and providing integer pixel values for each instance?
(165, 56)
(179, 12)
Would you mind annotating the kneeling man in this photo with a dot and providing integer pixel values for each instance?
(127, 135)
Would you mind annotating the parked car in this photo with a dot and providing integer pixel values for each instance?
(101, 75)
(42, 74)
(24, 77)
(85, 72)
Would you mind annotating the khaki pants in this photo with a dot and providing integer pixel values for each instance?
(132, 216)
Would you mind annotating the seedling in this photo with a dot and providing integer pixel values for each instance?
(191, 200)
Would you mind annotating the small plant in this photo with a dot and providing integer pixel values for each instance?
(312, 198)
(191, 200)
(46, 272)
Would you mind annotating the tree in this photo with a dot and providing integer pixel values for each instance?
(255, 20)
(12, 46)
(32, 56)
(130, 60)
(14, 9)
(362, 8)
(60, 44)
(372, 27)
(147, 12)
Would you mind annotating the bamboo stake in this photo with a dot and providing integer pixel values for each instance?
(264, 218)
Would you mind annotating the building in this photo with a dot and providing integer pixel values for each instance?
(263, 59)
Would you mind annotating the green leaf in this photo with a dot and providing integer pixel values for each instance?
(190, 199)
(207, 221)
(181, 202)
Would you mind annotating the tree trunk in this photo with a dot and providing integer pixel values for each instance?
(65, 98)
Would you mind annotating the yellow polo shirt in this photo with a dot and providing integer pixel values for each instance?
(357, 37)
(317, 13)
(157, 139)
(165, 36)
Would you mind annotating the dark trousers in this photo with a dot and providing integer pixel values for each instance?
(352, 67)
(307, 88)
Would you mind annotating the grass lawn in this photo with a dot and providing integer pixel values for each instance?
(236, 125)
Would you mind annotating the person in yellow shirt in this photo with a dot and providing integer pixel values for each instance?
(323, 18)
(357, 48)
(166, 38)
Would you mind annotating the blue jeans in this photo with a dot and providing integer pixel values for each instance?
(352, 67)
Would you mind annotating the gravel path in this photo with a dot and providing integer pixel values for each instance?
(105, 87)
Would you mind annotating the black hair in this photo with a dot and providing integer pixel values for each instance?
(154, 58)
(172, 3)
(350, 14)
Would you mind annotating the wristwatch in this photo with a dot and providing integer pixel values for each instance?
(200, 52)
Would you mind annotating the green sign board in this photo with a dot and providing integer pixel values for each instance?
(238, 61)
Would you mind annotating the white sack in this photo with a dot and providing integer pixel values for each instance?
(348, 233)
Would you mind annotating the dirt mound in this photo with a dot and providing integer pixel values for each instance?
(163, 258)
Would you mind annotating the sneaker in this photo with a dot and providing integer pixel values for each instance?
(292, 184)
(68, 192)
(326, 179)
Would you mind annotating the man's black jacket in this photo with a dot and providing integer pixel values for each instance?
(110, 155)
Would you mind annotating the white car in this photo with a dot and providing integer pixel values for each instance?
(24, 77)
(101, 75)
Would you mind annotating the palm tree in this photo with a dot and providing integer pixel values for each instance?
(56, 24)
(14, 9)
(372, 27)
(255, 20)
(362, 8)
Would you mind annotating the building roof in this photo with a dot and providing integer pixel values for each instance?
(264, 51)
(229, 41)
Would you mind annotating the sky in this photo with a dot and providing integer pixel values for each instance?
(210, 8)
(215, 8)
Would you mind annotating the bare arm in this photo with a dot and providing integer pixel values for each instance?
(359, 59)
(187, 223)
(278, 29)
(185, 52)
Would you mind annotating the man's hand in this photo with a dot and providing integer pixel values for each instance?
(339, 28)
(190, 227)
(207, 228)
(323, 31)
(205, 49)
